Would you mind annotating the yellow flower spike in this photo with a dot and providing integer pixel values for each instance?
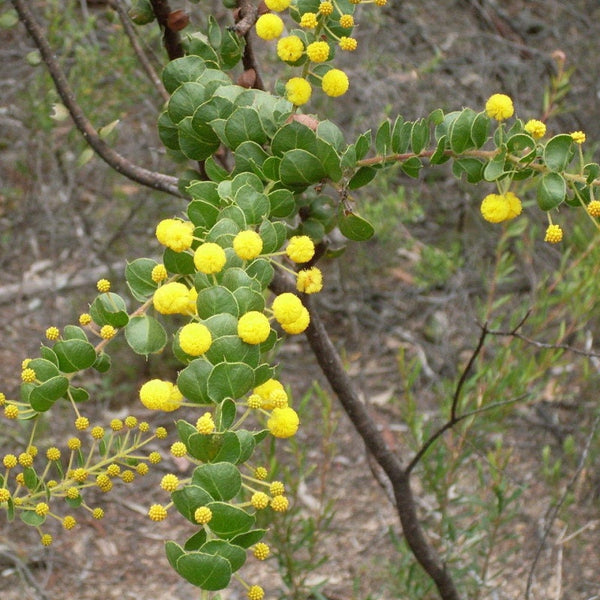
(203, 515)
(300, 248)
(299, 325)
(348, 44)
(255, 592)
(171, 298)
(103, 286)
(346, 21)
(287, 308)
(326, 8)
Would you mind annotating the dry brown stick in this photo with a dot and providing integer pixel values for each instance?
(331, 364)
(171, 38)
(152, 179)
(142, 57)
(247, 14)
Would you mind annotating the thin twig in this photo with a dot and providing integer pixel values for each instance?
(142, 57)
(246, 17)
(553, 510)
(119, 163)
(25, 573)
(171, 39)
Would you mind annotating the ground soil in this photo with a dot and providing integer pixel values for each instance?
(56, 219)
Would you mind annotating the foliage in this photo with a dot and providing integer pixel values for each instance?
(271, 184)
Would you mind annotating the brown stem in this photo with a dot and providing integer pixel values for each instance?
(119, 163)
(331, 364)
(142, 57)
(246, 16)
(171, 39)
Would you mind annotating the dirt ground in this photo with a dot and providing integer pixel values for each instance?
(60, 226)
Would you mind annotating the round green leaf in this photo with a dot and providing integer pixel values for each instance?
(192, 381)
(206, 571)
(180, 70)
(139, 278)
(43, 396)
(216, 300)
(109, 309)
(558, 152)
(228, 521)
(189, 498)
(355, 227)
(74, 355)
(145, 335)
(230, 380)
(221, 480)
(551, 191)
(234, 554)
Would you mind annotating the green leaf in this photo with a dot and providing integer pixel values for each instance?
(412, 166)
(221, 480)
(226, 413)
(185, 100)
(221, 325)
(44, 369)
(245, 540)
(236, 277)
(178, 262)
(223, 232)
(495, 168)
(292, 136)
(480, 129)
(190, 497)
(471, 166)
(362, 177)
(192, 381)
(591, 172)
(519, 142)
(234, 554)
(228, 521)
(330, 160)
(78, 394)
(247, 445)
(74, 355)
(230, 380)
(214, 171)
(299, 168)
(205, 571)
(419, 135)
(244, 124)
(261, 270)
(216, 299)
(196, 541)
(332, 134)
(109, 309)
(273, 235)
(202, 214)
(439, 156)
(145, 335)
(231, 49)
(72, 332)
(249, 299)
(48, 354)
(363, 145)
(255, 205)
(250, 156)
(551, 191)
(354, 227)
(193, 143)
(383, 139)
(180, 70)
(168, 132)
(559, 152)
(459, 132)
(231, 348)
(139, 278)
(173, 552)
(31, 518)
(43, 396)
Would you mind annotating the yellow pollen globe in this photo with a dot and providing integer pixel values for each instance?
(103, 286)
(52, 333)
(290, 48)
(205, 424)
(269, 27)
(348, 44)
(308, 20)
(261, 551)
(326, 8)
(300, 248)
(499, 107)
(554, 234)
(515, 206)
(175, 234)
(195, 339)
(578, 137)
(280, 504)
(298, 91)
(159, 273)
(318, 51)
(253, 327)
(209, 257)
(169, 482)
(495, 208)
(335, 83)
(287, 308)
(259, 500)
(157, 512)
(283, 422)
(278, 5)
(255, 592)
(178, 449)
(593, 208)
(155, 393)
(346, 21)
(247, 244)
(310, 281)
(203, 515)
(535, 128)
(171, 298)
(299, 325)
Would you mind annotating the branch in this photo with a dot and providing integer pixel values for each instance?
(119, 163)
(130, 32)
(331, 365)
(245, 17)
(171, 38)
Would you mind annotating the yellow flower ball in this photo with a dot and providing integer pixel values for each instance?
(515, 206)
(300, 248)
(175, 234)
(593, 208)
(278, 5)
(253, 327)
(318, 51)
(310, 281)
(205, 424)
(203, 515)
(495, 208)
(195, 339)
(554, 234)
(535, 128)
(335, 83)
(287, 308)
(348, 44)
(578, 137)
(159, 273)
(298, 91)
(308, 20)
(290, 48)
(299, 325)
(173, 402)
(499, 107)
(268, 392)
(269, 27)
(247, 244)
(171, 298)
(155, 393)
(209, 257)
(346, 21)
(326, 8)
